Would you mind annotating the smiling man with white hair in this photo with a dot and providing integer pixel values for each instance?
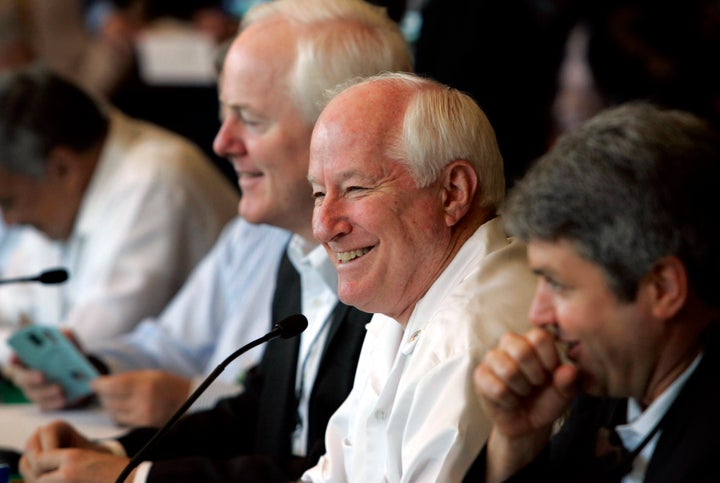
(407, 178)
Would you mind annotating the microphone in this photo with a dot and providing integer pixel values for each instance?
(48, 277)
(287, 328)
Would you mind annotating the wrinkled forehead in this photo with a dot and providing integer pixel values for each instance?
(360, 121)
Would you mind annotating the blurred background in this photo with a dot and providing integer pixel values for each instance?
(536, 67)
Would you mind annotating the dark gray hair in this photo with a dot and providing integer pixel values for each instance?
(40, 110)
(634, 184)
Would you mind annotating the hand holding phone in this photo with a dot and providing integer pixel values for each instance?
(46, 349)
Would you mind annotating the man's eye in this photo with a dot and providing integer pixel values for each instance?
(350, 189)
(318, 196)
(249, 122)
(555, 285)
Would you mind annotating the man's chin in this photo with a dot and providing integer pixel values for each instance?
(252, 213)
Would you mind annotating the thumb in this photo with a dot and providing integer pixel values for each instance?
(555, 399)
(104, 384)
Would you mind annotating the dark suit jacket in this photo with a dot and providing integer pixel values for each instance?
(248, 437)
(685, 452)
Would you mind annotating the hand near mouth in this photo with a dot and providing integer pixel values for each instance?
(525, 387)
(562, 346)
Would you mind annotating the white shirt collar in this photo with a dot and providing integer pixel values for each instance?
(642, 422)
(304, 254)
(475, 248)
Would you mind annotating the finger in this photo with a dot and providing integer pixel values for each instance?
(70, 335)
(36, 387)
(15, 360)
(48, 397)
(529, 361)
(26, 466)
(544, 346)
(38, 390)
(120, 410)
(124, 418)
(506, 368)
(46, 461)
(27, 377)
(113, 386)
(492, 390)
(555, 399)
(49, 437)
(527, 358)
(34, 464)
(33, 443)
(116, 411)
(115, 401)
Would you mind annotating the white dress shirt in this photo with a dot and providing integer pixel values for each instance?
(641, 423)
(154, 207)
(412, 415)
(318, 281)
(225, 304)
(8, 239)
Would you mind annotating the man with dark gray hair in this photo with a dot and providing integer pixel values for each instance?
(127, 207)
(618, 220)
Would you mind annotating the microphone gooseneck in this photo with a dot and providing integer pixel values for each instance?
(58, 275)
(287, 328)
(53, 276)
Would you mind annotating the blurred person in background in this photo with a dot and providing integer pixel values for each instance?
(127, 207)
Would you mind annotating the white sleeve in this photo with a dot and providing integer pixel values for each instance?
(182, 337)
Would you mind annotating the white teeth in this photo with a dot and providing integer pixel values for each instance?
(351, 255)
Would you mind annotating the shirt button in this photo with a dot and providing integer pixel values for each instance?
(415, 335)
(380, 415)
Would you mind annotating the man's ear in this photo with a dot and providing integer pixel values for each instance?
(459, 185)
(668, 283)
(68, 172)
(61, 162)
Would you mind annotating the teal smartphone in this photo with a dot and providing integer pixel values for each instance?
(46, 349)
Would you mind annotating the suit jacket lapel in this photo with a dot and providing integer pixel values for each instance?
(286, 299)
(279, 366)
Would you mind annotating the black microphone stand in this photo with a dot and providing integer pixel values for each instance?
(279, 330)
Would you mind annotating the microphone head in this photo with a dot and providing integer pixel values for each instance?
(291, 326)
(58, 275)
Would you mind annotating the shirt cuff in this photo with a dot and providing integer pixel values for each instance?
(141, 471)
(216, 391)
(113, 446)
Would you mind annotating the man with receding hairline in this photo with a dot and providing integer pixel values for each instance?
(407, 178)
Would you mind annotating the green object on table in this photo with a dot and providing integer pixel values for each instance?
(10, 393)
